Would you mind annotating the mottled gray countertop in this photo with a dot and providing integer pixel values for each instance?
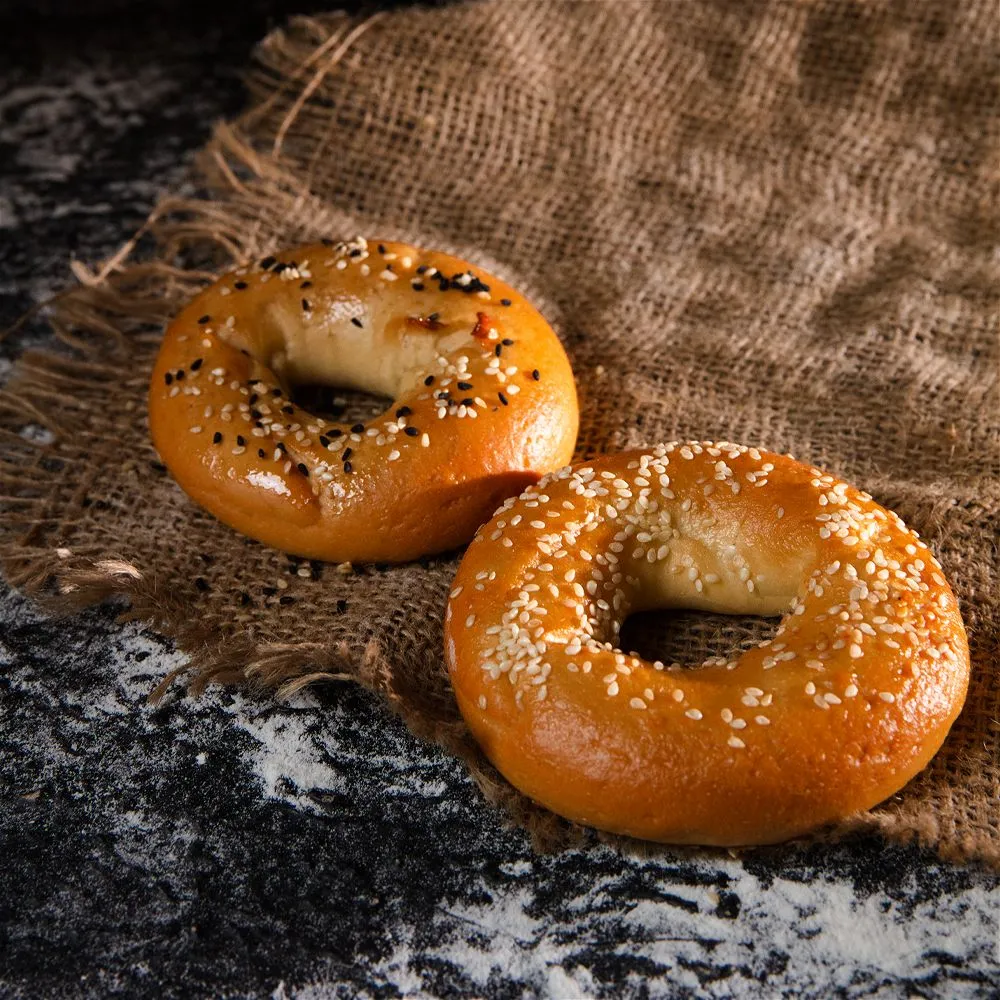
(236, 847)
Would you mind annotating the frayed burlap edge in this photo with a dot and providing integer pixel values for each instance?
(117, 311)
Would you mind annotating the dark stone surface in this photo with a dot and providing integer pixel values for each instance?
(233, 847)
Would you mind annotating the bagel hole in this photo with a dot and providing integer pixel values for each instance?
(691, 637)
(345, 406)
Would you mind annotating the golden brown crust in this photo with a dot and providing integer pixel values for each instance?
(853, 696)
(386, 317)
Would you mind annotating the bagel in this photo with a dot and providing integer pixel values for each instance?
(852, 697)
(483, 400)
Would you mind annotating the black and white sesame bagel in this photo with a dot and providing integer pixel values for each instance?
(849, 700)
(483, 400)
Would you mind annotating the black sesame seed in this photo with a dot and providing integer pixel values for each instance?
(253, 398)
(503, 398)
(358, 429)
(505, 302)
(434, 317)
(341, 605)
(429, 380)
(355, 253)
(347, 454)
(348, 468)
(240, 440)
(507, 342)
(286, 599)
(324, 441)
(464, 386)
(357, 322)
(306, 284)
(305, 305)
(201, 583)
(180, 374)
(535, 374)
(217, 437)
(275, 392)
(244, 598)
(468, 402)
(205, 319)
(267, 263)
(498, 350)
(418, 286)
(422, 269)
(168, 378)
(281, 447)
(303, 468)
(269, 591)
(197, 363)
(261, 453)
(240, 285)
(410, 431)
(288, 409)
(336, 433)
(403, 411)
(381, 248)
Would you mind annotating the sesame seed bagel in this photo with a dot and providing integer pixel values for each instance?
(483, 400)
(853, 696)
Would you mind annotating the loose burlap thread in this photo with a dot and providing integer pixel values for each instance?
(773, 223)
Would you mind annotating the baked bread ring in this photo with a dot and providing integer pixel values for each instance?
(483, 400)
(850, 699)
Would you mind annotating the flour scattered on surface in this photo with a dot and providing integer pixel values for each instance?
(700, 923)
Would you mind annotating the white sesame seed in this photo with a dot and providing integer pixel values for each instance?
(692, 713)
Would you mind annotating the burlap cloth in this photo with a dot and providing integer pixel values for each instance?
(773, 223)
